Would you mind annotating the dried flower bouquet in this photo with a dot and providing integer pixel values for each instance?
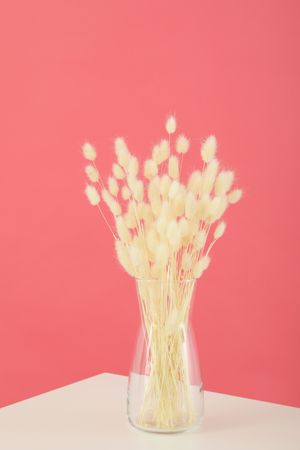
(164, 230)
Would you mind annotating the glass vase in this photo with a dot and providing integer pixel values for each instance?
(165, 391)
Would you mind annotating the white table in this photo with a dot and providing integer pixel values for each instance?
(91, 414)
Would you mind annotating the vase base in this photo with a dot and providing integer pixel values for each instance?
(175, 430)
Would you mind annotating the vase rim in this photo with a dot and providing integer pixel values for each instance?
(183, 280)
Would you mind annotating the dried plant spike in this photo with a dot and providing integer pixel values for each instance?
(122, 230)
(200, 240)
(173, 167)
(135, 255)
(92, 173)
(118, 172)
(156, 154)
(200, 266)
(125, 193)
(209, 148)
(173, 234)
(150, 169)
(219, 230)
(138, 191)
(224, 182)
(182, 144)
(195, 182)
(164, 185)
(187, 261)
(133, 166)
(120, 145)
(122, 152)
(123, 257)
(152, 240)
(190, 205)
(112, 204)
(89, 151)
(235, 195)
(162, 255)
(92, 194)
(209, 176)
(171, 124)
(164, 149)
(174, 189)
(204, 206)
(113, 186)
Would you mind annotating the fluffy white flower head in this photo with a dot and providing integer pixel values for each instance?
(89, 151)
(92, 194)
(209, 148)
(92, 173)
(182, 144)
(171, 124)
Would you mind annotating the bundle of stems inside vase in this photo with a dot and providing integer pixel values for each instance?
(165, 305)
(164, 227)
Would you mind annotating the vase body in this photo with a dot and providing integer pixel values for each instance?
(165, 388)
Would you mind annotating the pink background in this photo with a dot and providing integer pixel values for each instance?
(77, 70)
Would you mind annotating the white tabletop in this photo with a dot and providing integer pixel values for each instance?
(91, 414)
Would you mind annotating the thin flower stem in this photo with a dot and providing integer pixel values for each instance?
(106, 221)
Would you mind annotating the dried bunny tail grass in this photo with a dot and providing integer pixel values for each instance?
(209, 148)
(89, 151)
(122, 152)
(113, 186)
(92, 195)
(174, 189)
(204, 207)
(138, 190)
(209, 176)
(164, 148)
(154, 196)
(156, 154)
(224, 182)
(118, 172)
(234, 196)
(92, 173)
(223, 206)
(190, 205)
(219, 230)
(173, 167)
(130, 220)
(125, 193)
(200, 239)
(200, 266)
(144, 212)
(214, 208)
(123, 257)
(112, 204)
(187, 261)
(150, 169)
(135, 255)
(122, 230)
(162, 255)
(173, 234)
(182, 144)
(171, 124)
(164, 185)
(184, 227)
(152, 240)
(165, 210)
(178, 203)
(133, 166)
(161, 225)
(195, 182)
(217, 207)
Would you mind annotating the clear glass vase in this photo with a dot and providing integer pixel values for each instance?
(165, 388)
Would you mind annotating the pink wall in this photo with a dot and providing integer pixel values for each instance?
(76, 70)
